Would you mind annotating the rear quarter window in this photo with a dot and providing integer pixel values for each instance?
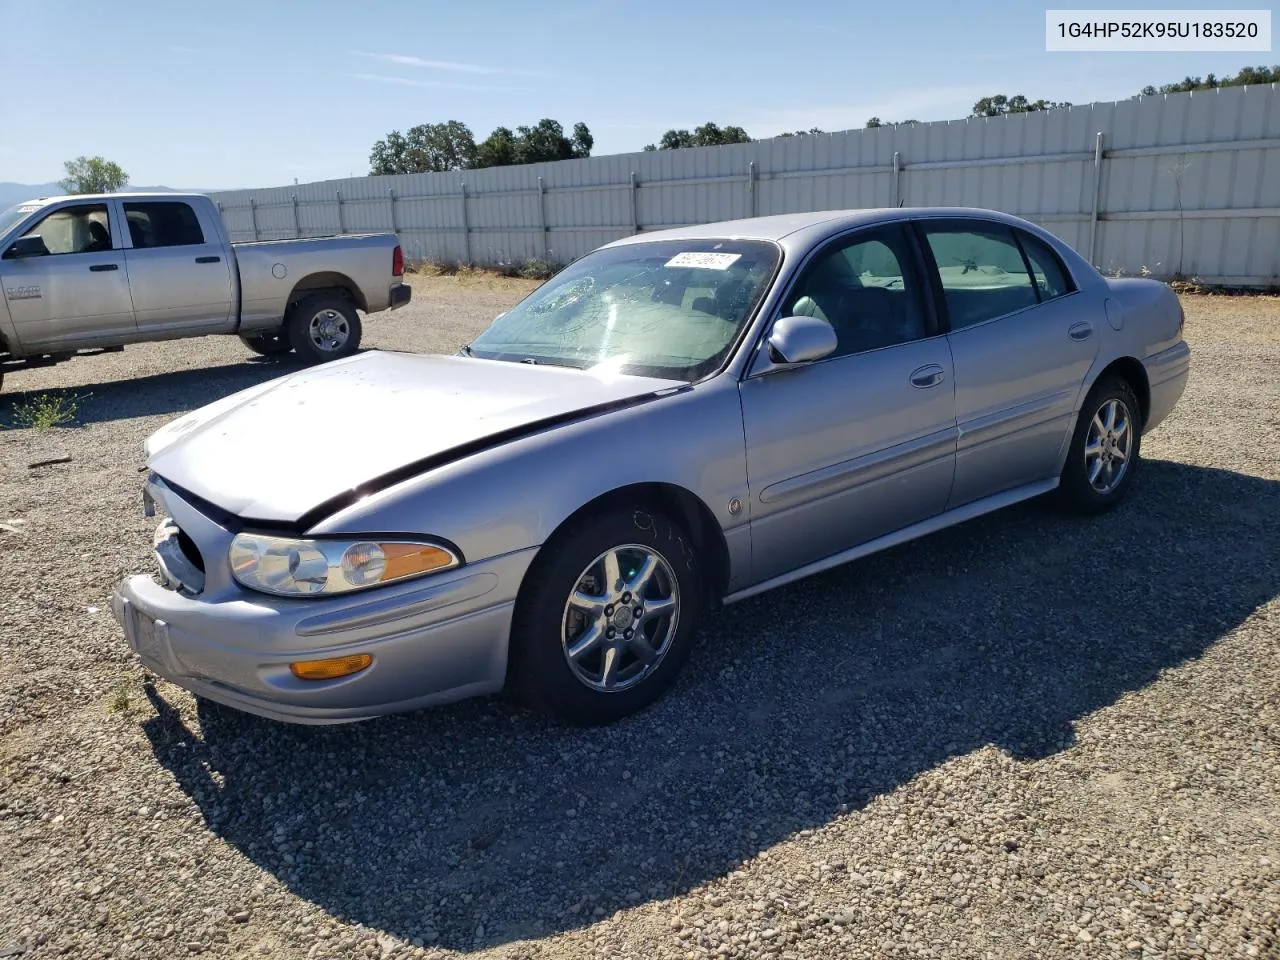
(1050, 276)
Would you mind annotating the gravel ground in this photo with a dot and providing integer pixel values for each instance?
(1027, 737)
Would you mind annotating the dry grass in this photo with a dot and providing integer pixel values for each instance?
(532, 269)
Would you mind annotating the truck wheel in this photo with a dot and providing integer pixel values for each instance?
(323, 327)
(268, 344)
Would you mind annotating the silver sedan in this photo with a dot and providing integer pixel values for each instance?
(676, 420)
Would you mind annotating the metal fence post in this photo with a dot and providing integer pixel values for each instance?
(635, 220)
(466, 226)
(395, 227)
(895, 197)
(752, 205)
(542, 220)
(1097, 191)
(253, 217)
(342, 228)
(297, 227)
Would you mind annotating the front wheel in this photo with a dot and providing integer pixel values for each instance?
(1104, 448)
(322, 327)
(606, 617)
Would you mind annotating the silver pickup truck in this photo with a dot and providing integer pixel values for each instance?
(101, 271)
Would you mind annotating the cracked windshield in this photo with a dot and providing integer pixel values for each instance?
(666, 309)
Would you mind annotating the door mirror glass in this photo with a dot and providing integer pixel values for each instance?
(32, 245)
(801, 340)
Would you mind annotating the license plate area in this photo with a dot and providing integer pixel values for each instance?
(148, 637)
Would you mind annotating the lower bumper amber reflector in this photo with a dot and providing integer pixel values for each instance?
(330, 669)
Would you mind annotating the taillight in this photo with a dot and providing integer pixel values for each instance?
(397, 262)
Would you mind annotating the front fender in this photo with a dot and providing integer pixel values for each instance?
(9, 342)
(515, 495)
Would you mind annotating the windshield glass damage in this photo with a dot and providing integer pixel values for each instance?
(671, 309)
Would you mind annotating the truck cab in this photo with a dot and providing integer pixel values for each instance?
(102, 271)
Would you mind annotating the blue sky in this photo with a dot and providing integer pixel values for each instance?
(240, 94)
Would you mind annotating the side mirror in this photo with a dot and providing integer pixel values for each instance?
(23, 247)
(801, 340)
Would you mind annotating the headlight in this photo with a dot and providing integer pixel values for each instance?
(303, 568)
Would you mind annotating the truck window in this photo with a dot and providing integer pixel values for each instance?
(80, 229)
(164, 223)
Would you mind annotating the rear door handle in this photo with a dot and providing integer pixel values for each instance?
(929, 375)
(102, 267)
(1080, 331)
(207, 259)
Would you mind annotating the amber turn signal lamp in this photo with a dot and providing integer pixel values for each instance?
(330, 669)
(407, 559)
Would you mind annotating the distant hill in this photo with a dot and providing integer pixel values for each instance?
(11, 193)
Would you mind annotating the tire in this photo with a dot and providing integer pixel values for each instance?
(643, 661)
(268, 344)
(323, 327)
(1093, 482)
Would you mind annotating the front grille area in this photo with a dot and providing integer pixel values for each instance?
(179, 559)
(190, 550)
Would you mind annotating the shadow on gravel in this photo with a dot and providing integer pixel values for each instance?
(161, 393)
(478, 824)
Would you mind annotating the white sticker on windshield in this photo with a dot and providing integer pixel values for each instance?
(707, 261)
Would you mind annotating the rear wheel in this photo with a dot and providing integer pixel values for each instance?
(268, 344)
(1104, 448)
(606, 617)
(322, 327)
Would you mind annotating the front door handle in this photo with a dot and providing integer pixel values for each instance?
(929, 375)
(103, 267)
(1080, 331)
(207, 259)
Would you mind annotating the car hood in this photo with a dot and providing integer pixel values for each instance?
(278, 450)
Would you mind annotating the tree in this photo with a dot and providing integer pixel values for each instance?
(707, 135)
(544, 141)
(426, 148)
(433, 147)
(499, 149)
(1000, 105)
(93, 175)
(802, 133)
(875, 122)
(1248, 76)
(582, 140)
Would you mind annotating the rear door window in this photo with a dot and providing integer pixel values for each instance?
(165, 223)
(981, 269)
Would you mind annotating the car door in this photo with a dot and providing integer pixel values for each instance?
(75, 291)
(861, 443)
(179, 277)
(1021, 347)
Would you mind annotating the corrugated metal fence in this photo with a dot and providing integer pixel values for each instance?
(1186, 184)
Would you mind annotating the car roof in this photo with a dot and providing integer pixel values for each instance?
(794, 230)
(123, 195)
